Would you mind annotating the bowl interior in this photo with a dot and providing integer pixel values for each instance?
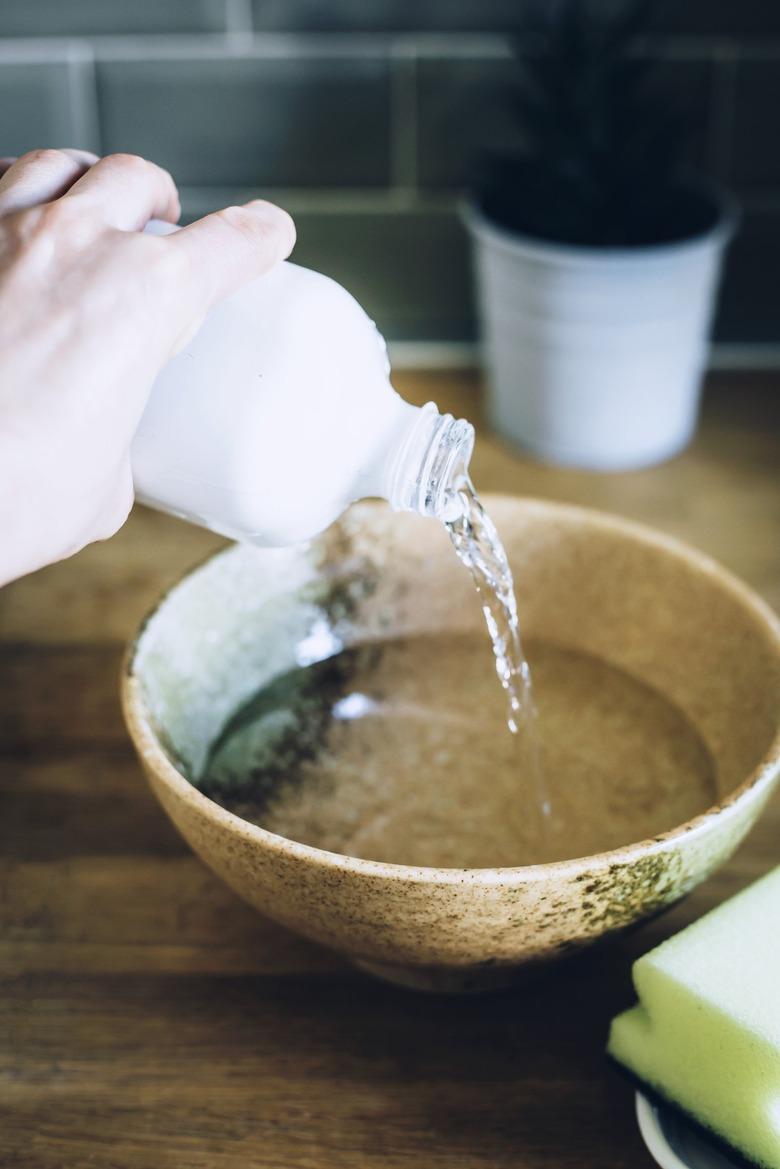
(595, 594)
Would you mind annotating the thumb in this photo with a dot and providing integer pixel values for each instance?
(230, 247)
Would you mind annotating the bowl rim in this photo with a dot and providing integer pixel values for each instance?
(758, 782)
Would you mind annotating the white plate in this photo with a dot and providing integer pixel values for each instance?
(673, 1143)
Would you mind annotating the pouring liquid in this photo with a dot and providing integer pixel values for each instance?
(478, 546)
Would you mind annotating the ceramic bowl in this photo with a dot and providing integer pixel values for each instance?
(601, 586)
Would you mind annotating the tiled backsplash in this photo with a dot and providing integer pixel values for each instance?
(253, 120)
(361, 116)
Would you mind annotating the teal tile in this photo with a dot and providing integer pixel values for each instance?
(755, 151)
(279, 121)
(686, 87)
(388, 15)
(748, 303)
(721, 18)
(35, 106)
(47, 18)
(464, 109)
(409, 270)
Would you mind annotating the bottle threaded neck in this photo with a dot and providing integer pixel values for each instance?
(431, 464)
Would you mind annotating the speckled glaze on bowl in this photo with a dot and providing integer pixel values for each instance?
(663, 612)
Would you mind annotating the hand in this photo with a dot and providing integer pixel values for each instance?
(90, 311)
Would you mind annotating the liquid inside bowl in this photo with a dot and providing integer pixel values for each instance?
(343, 694)
(398, 750)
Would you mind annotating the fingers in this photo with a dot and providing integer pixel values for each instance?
(40, 176)
(231, 247)
(122, 189)
(127, 191)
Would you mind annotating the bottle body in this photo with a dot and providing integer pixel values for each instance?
(276, 416)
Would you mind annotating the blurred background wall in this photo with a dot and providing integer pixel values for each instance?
(360, 116)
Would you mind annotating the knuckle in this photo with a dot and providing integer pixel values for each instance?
(143, 170)
(130, 162)
(44, 156)
(231, 215)
(259, 233)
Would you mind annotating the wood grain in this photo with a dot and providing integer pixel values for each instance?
(149, 1019)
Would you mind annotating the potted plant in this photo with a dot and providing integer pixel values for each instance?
(597, 258)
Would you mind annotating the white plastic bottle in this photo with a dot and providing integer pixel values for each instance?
(280, 413)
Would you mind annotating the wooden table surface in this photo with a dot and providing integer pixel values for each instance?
(149, 1019)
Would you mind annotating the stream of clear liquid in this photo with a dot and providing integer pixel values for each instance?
(478, 546)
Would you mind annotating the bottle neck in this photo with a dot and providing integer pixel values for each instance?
(429, 464)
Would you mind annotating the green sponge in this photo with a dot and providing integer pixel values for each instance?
(706, 1032)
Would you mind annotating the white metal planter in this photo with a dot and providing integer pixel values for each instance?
(595, 356)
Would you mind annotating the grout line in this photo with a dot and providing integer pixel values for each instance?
(688, 48)
(422, 44)
(434, 355)
(176, 48)
(403, 114)
(747, 355)
(759, 50)
(82, 82)
(760, 201)
(697, 47)
(45, 51)
(238, 29)
(195, 46)
(468, 355)
(722, 112)
(238, 17)
(238, 24)
(339, 201)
